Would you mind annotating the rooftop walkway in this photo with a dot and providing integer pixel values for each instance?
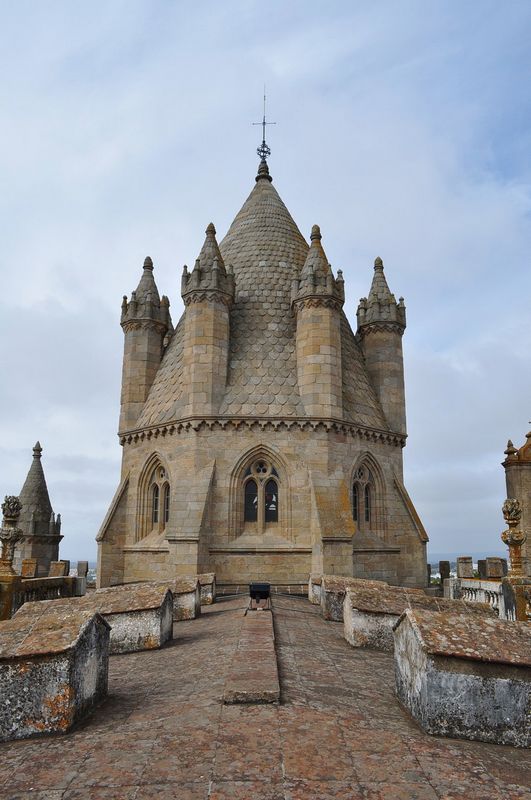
(338, 732)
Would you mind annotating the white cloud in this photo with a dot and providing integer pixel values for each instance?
(403, 130)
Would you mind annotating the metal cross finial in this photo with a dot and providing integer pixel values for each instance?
(264, 151)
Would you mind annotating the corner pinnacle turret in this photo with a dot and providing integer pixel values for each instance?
(316, 278)
(209, 273)
(381, 306)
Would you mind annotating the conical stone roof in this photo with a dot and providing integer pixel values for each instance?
(266, 250)
(36, 506)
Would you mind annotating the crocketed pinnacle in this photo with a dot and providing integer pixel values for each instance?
(381, 305)
(146, 303)
(209, 272)
(316, 277)
(34, 494)
(316, 263)
(210, 253)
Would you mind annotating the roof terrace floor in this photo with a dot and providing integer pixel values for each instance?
(339, 731)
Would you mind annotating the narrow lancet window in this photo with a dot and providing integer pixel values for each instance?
(355, 502)
(251, 501)
(166, 503)
(155, 510)
(367, 503)
(271, 501)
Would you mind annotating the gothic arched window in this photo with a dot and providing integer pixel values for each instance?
(158, 499)
(362, 498)
(251, 501)
(261, 494)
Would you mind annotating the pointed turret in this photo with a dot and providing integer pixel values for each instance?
(147, 324)
(381, 324)
(41, 533)
(317, 298)
(209, 273)
(208, 294)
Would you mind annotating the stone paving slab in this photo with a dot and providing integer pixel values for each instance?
(253, 676)
(339, 732)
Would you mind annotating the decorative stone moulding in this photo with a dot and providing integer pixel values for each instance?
(513, 537)
(9, 533)
(263, 424)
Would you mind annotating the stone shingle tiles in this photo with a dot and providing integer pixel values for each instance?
(266, 251)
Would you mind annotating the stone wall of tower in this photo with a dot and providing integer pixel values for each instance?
(381, 324)
(315, 465)
(317, 298)
(208, 293)
(205, 355)
(518, 482)
(382, 348)
(319, 359)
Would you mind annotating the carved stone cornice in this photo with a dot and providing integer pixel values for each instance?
(207, 296)
(317, 301)
(144, 325)
(381, 327)
(197, 424)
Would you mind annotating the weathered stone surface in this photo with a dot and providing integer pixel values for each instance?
(369, 613)
(314, 589)
(186, 593)
(53, 668)
(58, 569)
(207, 582)
(140, 615)
(338, 734)
(82, 569)
(465, 567)
(333, 590)
(253, 674)
(29, 568)
(465, 676)
(494, 568)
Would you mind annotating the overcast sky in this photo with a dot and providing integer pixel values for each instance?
(403, 129)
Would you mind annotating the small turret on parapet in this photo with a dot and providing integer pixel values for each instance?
(381, 325)
(41, 528)
(317, 298)
(208, 294)
(147, 325)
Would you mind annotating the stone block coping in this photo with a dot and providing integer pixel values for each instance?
(43, 628)
(465, 675)
(369, 613)
(186, 593)
(333, 588)
(253, 674)
(140, 615)
(54, 664)
(473, 637)
(206, 578)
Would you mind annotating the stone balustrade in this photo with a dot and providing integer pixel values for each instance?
(480, 590)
